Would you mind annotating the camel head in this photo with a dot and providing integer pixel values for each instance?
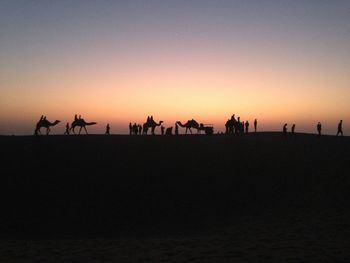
(55, 122)
(90, 123)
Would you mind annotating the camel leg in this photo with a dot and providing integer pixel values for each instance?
(85, 129)
(47, 131)
(80, 129)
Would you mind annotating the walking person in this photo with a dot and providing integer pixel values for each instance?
(293, 129)
(107, 129)
(340, 128)
(285, 129)
(67, 129)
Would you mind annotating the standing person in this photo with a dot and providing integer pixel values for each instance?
(162, 129)
(140, 129)
(130, 128)
(67, 129)
(107, 129)
(319, 128)
(255, 124)
(246, 127)
(293, 129)
(135, 129)
(176, 129)
(285, 129)
(340, 128)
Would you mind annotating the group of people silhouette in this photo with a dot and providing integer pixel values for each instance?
(138, 129)
(285, 129)
(135, 129)
(318, 128)
(233, 126)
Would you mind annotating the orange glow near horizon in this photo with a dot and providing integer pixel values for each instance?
(173, 93)
(175, 62)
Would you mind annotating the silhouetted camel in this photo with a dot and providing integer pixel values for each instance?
(150, 124)
(44, 123)
(189, 125)
(81, 123)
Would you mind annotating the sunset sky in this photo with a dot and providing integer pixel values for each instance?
(119, 61)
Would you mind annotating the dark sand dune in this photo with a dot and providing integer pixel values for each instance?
(251, 198)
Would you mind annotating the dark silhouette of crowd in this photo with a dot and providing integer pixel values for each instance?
(233, 126)
(135, 129)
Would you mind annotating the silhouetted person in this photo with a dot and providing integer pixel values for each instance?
(107, 129)
(67, 129)
(135, 128)
(79, 117)
(169, 131)
(246, 127)
(285, 129)
(140, 129)
(44, 119)
(148, 119)
(255, 124)
(238, 128)
(36, 131)
(176, 129)
(75, 117)
(130, 128)
(293, 129)
(162, 129)
(319, 128)
(340, 128)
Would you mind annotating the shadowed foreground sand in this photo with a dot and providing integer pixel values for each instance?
(249, 198)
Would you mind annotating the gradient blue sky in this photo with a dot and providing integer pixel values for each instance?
(119, 61)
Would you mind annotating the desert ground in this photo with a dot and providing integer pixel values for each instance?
(261, 197)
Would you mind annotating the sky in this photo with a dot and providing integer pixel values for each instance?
(119, 61)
